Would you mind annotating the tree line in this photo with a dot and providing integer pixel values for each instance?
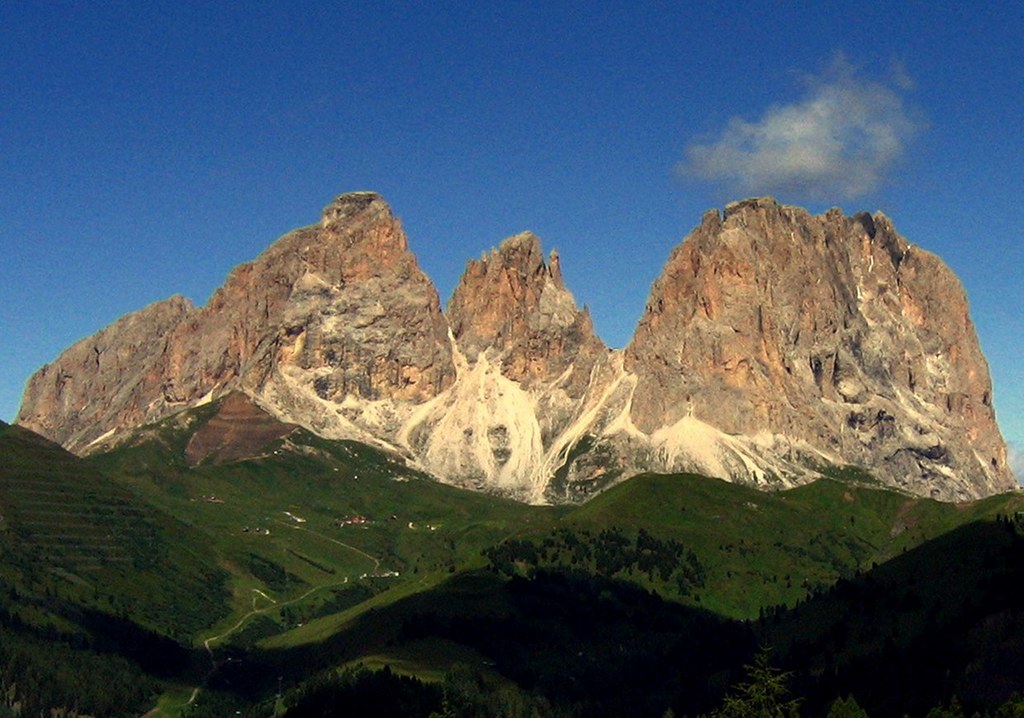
(610, 553)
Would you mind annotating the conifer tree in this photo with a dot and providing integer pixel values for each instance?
(765, 693)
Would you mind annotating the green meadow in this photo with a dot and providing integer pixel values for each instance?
(300, 569)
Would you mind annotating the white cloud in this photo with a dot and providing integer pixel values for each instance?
(837, 142)
(1016, 460)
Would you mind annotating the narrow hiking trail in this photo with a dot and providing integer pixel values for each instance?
(273, 605)
(376, 561)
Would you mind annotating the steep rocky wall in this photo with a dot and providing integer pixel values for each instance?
(831, 332)
(113, 379)
(773, 342)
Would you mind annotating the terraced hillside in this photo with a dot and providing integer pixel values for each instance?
(335, 555)
(82, 536)
(65, 512)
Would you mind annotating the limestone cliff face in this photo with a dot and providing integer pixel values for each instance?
(775, 342)
(825, 338)
(112, 379)
(330, 312)
(529, 366)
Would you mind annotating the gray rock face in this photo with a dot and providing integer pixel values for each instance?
(330, 311)
(774, 342)
(828, 336)
(112, 379)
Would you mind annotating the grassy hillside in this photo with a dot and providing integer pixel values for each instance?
(313, 525)
(605, 647)
(526, 617)
(94, 586)
(312, 556)
(939, 621)
(743, 550)
(71, 532)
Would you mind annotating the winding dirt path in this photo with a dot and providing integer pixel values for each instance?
(273, 605)
(376, 561)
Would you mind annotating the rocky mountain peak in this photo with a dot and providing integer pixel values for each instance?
(341, 212)
(555, 267)
(330, 311)
(360, 225)
(775, 342)
(360, 318)
(528, 362)
(818, 333)
(516, 305)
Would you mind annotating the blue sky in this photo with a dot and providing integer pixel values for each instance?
(147, 148)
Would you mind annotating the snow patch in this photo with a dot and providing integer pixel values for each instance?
(482, 431)
(695, 442)
(101, 438)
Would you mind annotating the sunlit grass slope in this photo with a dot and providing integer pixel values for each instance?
(72, 533)
(310, 518)
(760, 549)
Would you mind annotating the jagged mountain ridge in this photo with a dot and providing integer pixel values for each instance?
(832, 333)
(773, 343)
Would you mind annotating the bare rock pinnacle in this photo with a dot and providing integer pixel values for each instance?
(774, 344)
(827, 335)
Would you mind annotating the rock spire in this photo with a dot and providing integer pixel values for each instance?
(775, 343)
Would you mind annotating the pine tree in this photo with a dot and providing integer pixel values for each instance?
(765, 694)
(846, 708)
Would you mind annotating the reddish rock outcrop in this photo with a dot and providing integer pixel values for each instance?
(328, 311)
(239, 430)
(775, 342)
(517, 306)
(831, 333)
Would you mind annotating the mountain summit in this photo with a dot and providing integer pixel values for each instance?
(774, 344)
(824, 338)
